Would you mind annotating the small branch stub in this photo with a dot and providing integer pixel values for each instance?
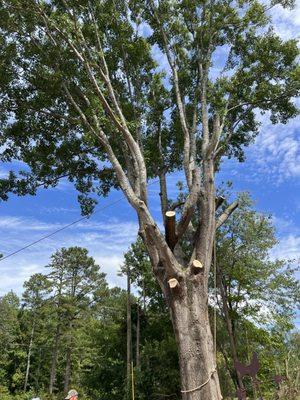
(219, 201)
(170, 229)
(197, 266)
(173, 283)
(226, 214)
(170, 214)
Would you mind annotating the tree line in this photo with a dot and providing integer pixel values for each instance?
(69, 328)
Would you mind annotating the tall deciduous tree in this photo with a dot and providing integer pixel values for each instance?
(82, 96)
(250, 284)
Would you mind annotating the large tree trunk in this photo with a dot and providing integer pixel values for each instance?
(185, 284)
(189, 312)
(189, 307)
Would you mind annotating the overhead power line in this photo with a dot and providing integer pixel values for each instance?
(65, 227)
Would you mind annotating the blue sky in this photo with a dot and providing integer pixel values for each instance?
(270, 174)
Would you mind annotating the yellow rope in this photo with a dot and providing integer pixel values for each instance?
(200, 386)
(214, 323)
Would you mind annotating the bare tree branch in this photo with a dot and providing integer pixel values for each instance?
(163, 192)
(188, 162)
(162, 177)
(220, 148)
(189, 206)
(118, 120)
(98, 132)
(226, 214)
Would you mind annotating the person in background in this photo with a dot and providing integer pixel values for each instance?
(72, 395)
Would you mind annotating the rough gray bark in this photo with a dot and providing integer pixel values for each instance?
(194, 339)
(163, 193)
(188, 301)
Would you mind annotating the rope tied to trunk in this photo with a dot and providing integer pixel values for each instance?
(202, 385)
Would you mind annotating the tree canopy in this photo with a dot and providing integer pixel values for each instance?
(82, 89)
(112, 94)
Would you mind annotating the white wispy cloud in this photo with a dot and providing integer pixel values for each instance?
(55, 210)
(286, 21)
(288, 248)
(106, 240)
(285, 225)
(274, 158)
(277, 150)
(12, 278)
(24, 224)
(3, 173)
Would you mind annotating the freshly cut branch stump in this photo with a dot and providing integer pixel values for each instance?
(173, 283)
(170, 214)
(170, 229)
(197, 266)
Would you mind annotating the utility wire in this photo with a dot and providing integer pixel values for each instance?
(65, 227)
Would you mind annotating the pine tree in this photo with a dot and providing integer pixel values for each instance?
(37, 288)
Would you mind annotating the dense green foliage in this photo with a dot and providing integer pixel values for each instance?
(54, 82)
(261, 294)
(83, 97)
(97, 337)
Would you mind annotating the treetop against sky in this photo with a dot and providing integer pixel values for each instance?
(270, 171)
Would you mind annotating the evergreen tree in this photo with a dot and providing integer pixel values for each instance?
(11, 350)
(78, 284)
(37, 288)
(253, 287)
